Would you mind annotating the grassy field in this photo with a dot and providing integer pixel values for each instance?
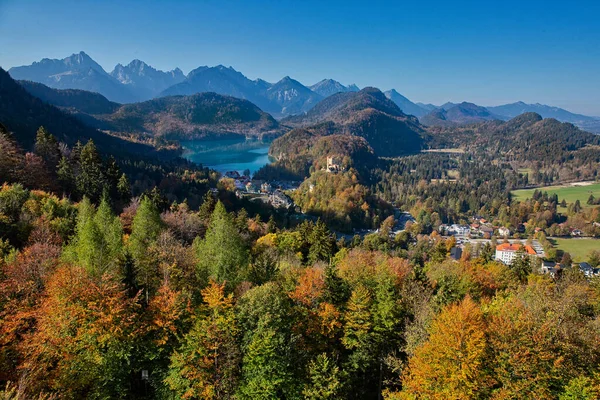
(579, 248)
(569, 193)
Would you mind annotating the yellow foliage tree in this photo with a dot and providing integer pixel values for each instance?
(451, 364)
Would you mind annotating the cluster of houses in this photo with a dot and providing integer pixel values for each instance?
(508, 252)
(553, 269)
(479, 228)
(270, 192)
(247, 184)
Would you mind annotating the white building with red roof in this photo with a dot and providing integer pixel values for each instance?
(507, 252)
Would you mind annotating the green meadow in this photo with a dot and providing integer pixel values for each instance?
(569, 193)
(579, 248)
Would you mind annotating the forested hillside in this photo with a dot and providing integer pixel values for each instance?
(23, 113)
(176, 117)
(368, 114)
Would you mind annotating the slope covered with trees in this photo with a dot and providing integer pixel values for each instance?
(23, 114)
(175, 117)
(199, 115)
(368, 114)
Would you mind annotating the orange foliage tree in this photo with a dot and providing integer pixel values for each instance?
(84, 337)
(451, 364)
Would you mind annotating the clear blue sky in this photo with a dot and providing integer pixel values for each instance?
(487, 52)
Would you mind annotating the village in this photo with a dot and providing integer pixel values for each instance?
(509, 245)
(269, 192)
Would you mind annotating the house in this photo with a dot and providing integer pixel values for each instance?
(250, 187)
(459, 230)
(239, 184)
(507, 252)
(279, 200)
(266, 187)
(588, 270)
(232, 174)
(486, 231)
(551, 268)
(503, 232)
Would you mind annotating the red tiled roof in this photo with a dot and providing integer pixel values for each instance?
(515, 247)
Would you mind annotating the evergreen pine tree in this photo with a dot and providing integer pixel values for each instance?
(124, 189)
(46, 146)
(321, 243)
(97, 244)
(66, 179)
(207, 207)
(325, 379)
(90, 180)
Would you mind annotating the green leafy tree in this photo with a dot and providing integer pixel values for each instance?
(97, 244)
(566, 260)
(521, 266)
(144, 232)
(594, 258)
(222, 254)
(581, 388)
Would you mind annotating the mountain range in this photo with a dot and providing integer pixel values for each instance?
(145, 81)
(137, 81)
(170, 117)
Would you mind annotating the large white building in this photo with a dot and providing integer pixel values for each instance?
(507, 252)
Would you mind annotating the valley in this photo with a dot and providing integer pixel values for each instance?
(211, 236)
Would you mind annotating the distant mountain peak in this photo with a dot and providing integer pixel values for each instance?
(136, 63)
(407, 106)
(329, 86)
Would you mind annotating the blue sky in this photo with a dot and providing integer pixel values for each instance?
(431, 51)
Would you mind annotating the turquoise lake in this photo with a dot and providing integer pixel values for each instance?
(225, 155)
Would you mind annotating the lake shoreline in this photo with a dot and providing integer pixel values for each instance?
(228, 154)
